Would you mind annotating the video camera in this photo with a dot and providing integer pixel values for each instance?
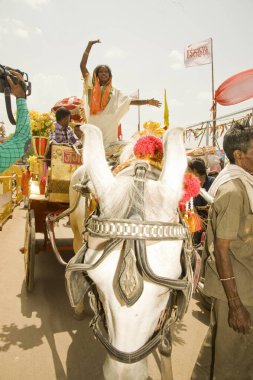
(5, 88)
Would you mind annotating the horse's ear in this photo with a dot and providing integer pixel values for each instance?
(94, 159)
(175, 161)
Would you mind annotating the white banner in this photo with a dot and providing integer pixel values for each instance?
(199, 53)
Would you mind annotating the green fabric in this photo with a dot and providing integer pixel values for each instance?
(15, 148)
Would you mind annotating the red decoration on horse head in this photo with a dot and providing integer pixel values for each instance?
(149, 147)
(191, 187)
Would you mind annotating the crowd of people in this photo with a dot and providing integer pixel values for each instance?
(227, 261)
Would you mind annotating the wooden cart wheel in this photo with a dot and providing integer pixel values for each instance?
(29, 250)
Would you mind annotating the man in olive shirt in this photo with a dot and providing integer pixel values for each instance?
(227, 352)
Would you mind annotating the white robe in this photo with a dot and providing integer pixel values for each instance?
(108, 119)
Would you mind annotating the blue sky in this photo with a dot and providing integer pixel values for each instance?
(143, 42)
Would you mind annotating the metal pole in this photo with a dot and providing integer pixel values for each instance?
(207, 133)
(219, 118)
(213, 101)
(139, 113)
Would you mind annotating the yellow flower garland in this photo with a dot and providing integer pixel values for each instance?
(41, 123)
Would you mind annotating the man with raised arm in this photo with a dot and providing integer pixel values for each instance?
(104, 104)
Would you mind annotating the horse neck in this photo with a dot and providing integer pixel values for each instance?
(156, 205)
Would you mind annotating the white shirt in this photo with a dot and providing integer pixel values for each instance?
(108, 119)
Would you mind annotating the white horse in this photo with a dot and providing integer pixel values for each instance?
(130, 327)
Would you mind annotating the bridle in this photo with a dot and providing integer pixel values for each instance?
(133, 265)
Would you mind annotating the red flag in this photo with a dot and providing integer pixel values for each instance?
(235, 89)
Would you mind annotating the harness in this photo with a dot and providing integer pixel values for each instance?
(132, 234)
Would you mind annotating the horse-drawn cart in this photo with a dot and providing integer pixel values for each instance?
(49, 196)
(49, 199)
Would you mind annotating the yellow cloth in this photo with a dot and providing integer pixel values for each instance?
(166, 111)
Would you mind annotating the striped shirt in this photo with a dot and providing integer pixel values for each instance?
(15, 148)
(62, 135)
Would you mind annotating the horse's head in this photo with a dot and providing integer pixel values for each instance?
(138, 199)
(114, 192)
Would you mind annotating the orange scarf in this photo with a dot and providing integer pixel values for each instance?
(98, 98)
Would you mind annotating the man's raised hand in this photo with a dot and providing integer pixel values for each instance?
(16, 89)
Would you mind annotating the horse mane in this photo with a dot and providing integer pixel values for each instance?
(127, 152)
(118, 199)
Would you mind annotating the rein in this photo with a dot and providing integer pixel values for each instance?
(135, 356)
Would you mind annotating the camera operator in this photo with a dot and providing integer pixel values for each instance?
(13, 149)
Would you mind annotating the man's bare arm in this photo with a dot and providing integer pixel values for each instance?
(238, 316)
(85, 56)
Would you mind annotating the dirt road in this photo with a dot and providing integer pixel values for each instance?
(39, 339)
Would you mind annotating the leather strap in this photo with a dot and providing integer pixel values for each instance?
(7, 94)
(121, 356)
(136, 229)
